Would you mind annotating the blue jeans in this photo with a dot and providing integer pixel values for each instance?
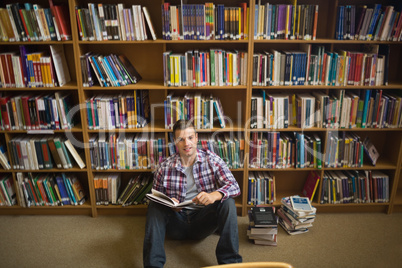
(191, 224)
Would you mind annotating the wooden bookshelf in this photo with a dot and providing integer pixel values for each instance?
(146, 56)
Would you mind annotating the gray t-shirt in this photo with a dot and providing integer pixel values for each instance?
(191, 187)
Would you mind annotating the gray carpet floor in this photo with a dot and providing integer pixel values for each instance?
(335, 240)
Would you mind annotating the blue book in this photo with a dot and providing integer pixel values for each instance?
(256, 22)
(50, 24)
(69, 189)
(94, 62)
(109, 71)
(65, 199)
(376, 13)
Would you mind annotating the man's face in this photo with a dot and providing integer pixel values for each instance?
(186, 142)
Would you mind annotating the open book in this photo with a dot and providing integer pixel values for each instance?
(163, 199)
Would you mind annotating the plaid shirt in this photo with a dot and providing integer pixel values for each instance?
(210, 174)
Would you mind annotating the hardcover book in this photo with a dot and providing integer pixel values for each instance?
(264, 217)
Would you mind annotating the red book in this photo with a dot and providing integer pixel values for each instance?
(24, 23)
(62, 19)
(311, 185)
(4, 112)
(25, 108)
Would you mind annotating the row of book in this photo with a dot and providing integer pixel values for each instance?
(315, 66)
(49, 189)
(378, 23)
(31, 22)
(346, 149)
(122, 111)
(263, 225)
(285, 21)
(371, 108)
(279, 150)
(296, 214)
(102, 22)
(108, 189)
(33, 68)
(365, 186)
(8, 197)
(126, 151)
(46, 152)
(110, 71)
(196, 68)
(205, 22)
(261, 188)
(37, 112)
(196, 107)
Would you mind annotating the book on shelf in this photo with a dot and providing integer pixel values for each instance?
(60, 64)
(367, 23)
(261, 188)
(196, 68)
(37, 112)
(280, 150)
(62, 21)
(207, 21)
(371, 151)
(363, 186)
(112, 70)
(311, 185)
(129, 110)
(34, 153)
(50, 189)
(126, 151)
(4, 162)
(8, 196)
(102, 22)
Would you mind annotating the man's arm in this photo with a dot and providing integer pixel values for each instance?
(206, 199)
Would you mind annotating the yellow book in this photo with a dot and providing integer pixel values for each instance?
(287, 22)
(135, 110)
(238, 18)
(246, 24)
(230, 69)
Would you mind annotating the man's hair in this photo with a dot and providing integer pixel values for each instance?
(182, 124)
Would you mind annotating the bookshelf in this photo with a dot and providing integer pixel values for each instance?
(146, 56)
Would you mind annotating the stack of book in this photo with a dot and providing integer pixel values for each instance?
(296, 214)
(263, 225)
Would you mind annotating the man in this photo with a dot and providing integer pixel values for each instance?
(204, 178)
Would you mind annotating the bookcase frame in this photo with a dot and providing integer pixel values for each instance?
(146, 56)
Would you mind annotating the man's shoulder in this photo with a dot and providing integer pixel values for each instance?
(208, 155)
(169, 161)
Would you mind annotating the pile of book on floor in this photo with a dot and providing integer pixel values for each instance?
(263, 225)
(296, 214)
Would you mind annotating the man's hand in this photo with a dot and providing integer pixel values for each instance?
(176, 209)
(206, 199)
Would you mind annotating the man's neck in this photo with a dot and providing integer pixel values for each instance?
(186, 162)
